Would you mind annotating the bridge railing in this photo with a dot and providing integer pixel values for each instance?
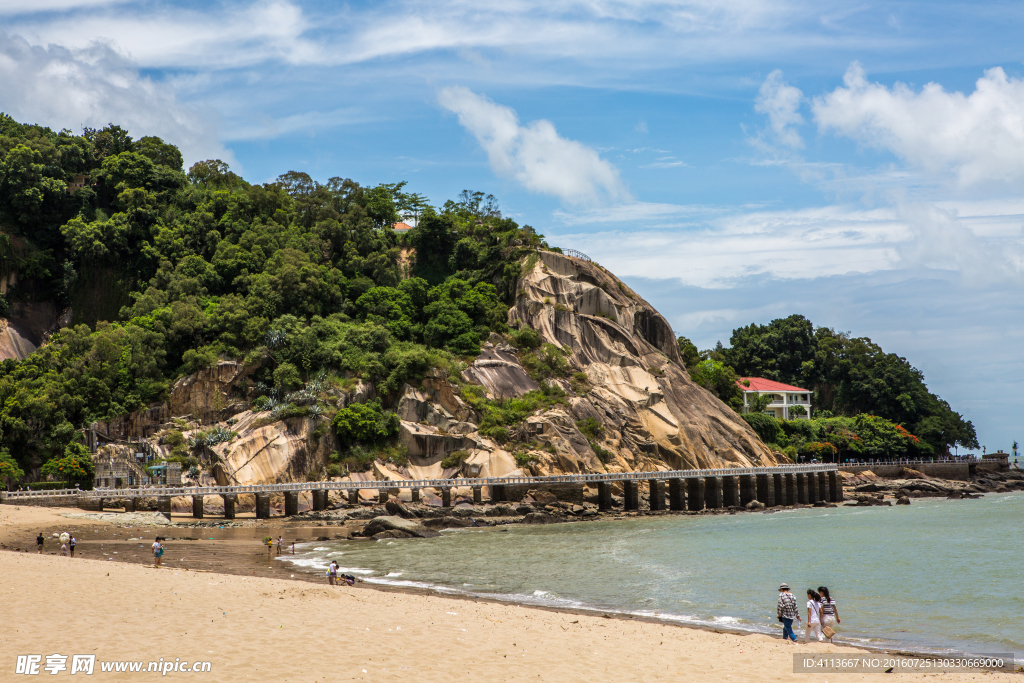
(432, 483)
(577, 254)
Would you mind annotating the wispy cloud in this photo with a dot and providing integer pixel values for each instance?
(780, 102)
(534, 155)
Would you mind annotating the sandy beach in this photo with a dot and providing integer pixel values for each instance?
(260, 628)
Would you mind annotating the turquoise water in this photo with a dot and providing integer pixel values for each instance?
(937, 575)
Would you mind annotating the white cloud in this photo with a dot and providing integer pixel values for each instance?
(534, 155)
(977, 138)
(23, 7)
(716, 248)
(63, 88)
(780, 102)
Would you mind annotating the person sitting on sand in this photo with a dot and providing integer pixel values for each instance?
(787, 612)
(813, 616)
(349, 579)
(829, 613)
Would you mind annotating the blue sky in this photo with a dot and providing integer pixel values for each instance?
(860, 164)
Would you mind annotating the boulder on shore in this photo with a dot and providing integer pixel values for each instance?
(755, 505)
(903, 500)
(394, 523)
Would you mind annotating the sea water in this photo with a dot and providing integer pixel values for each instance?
(936, 576)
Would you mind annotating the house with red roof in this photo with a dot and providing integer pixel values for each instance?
(785, 398)
(401, 228)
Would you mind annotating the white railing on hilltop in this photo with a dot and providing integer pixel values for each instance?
(577, 254)
(438, 483)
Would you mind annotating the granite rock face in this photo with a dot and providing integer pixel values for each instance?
(656, 417)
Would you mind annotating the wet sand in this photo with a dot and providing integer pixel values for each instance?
(225, 601)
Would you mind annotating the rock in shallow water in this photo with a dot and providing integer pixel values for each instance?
(393, 523)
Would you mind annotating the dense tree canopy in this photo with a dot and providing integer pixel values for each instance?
(167, 271)
(848, 375)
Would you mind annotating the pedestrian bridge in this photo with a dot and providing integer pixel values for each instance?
(692, 490)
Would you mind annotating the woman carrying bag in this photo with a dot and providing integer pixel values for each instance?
(829, 614)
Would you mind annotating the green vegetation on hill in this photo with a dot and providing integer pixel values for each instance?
(850, 376)
(172, 270)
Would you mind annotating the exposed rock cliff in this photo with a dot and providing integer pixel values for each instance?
(649, 414)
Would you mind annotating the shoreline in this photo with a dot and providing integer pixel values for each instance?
(239, 559)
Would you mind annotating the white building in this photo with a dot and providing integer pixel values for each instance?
(784, 397)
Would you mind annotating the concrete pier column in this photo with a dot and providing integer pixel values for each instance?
(478, 495)
(631, 495)
(604, 495)
(713, 492)
(197, 507)
(314, 500)
(801, 488)
(766, 490)
(824, 492)
(676, 494)
(319, 499)
(130, 504)
(780, 489)
(353, 496)
(446, 497)
(291, 503)
(835, 487)
(789, 482)
(229, 504)
(262, 506)
(657, 493)
(499, 494)
(382, 496)
(163, 505)
(415, 495)
(695, 494)
(748, 489)
(731, 492)
(812, 488)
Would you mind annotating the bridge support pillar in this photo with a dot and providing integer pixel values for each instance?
(713, 492)
(812, 488)
(446, 497)
(631, 495)
(197, 507)
(801, 488)
(291, 503)
(748, 489)
(835, 487)
(499, 494)
(604, 495)
(766, 490)
(414, 495)
(780, 489)
(677, 494)
(353, 496)
(163, 505)
(695, 494)
(657, 494)
(319, 499)
(229, 504)
(382, 496)
(789, 483)
(130, 503)
(478, 495)
(824, 491)
(262, 506)
(731, 491)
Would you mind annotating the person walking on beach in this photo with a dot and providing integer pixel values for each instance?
(813, 616)
(787, 612)
(74, 542)
(280, 542)
(158, 552)
(829, 613)
(39, 542)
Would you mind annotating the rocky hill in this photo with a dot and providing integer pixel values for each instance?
(616, 398)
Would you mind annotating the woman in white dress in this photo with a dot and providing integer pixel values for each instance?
(829, 611)
(813, 616)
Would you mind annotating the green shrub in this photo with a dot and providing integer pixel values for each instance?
(546, 362)
(454, 459)
(602, 454)
(766, 427)
(333, 470)
(591, 428)
(365, 423)
(525, 339)
(580, 383)
(524, 458)
(287, 377)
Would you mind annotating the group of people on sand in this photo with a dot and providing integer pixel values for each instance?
(822, 614)
(335, 578)
(67, 543)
